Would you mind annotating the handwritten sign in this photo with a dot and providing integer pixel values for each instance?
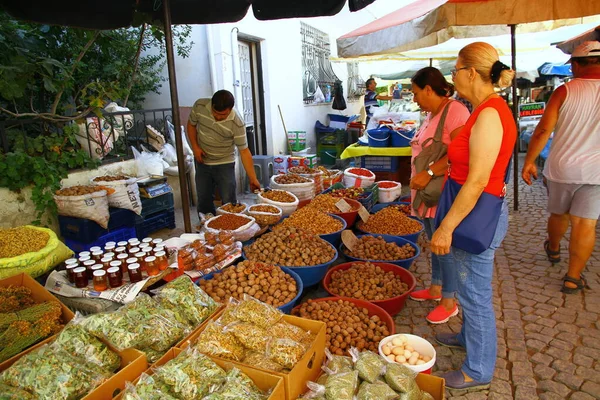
(349, 239)
(532, 109)
(363, 214)
(343, 206)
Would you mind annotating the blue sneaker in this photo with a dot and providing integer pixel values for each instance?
(455, 380)
(449, 340)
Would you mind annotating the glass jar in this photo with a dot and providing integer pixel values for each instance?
(109, 247)
(106, 262)
(141, 260)
(115, 277)
(121, 250)
(96, 267)
(84, 254)
(95, 249)
(116, 263)
(151, 266)
(146, 248)
(80, 277)
(122, 243)
(100, 280)
(123, 258)
(97, 255)
(71, 261)
(135, 274)
(132, 243)
(110, 254)
(161, 260)
(132, 251)
(113, 244)
(157, 242)
(157, 249)
(147, 240)
(84, 259)
(88, 267)
(70, 275)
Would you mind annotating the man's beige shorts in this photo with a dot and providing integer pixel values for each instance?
(582, 201)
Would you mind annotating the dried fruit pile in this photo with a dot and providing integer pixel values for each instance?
(326, 203)
(280, 196)
(366, 281)
(390, 221)
(311, 220)
(79, 190)
(288, 179)
(350, 193)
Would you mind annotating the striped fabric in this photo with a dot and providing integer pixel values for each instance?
(370, 101)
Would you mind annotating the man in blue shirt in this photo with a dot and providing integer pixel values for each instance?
(371, 98)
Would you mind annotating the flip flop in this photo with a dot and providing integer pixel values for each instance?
(553, 256)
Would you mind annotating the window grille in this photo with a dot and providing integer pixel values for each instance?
(316, 67)
(356, 85)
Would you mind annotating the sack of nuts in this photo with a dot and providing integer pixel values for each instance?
(88, 202)
(302, 188)
(242, 227)
(265, 214)
(285, 200)
(126, 192)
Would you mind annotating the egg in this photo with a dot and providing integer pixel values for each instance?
(391, 357)
(397, 341)
(426, 359)
(400, 359)
(398, 351)
(409, 347)
(413, 359)
(386, 350)
(407, 354)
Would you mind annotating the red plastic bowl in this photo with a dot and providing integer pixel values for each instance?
(350, 216)
(372, 308)
(394, 305)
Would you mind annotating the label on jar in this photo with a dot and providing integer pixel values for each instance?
(363, 214)
(343, 206)
(349, 239)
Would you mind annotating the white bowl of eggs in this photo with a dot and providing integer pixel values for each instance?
(411, 351)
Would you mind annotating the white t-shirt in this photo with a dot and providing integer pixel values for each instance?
(575, 150)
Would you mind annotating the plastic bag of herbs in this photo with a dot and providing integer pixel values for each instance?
(237, 386)
(148, 387)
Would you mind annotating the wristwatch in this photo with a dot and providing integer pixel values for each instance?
(430, 172)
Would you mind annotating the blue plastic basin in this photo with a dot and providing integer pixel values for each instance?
(333, 238)
(406, 263)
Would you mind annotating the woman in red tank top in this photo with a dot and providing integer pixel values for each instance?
(478, 159)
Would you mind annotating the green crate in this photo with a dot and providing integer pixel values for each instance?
(332, 139)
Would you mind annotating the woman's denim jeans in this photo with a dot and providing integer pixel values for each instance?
(441, 266)
(474, 282)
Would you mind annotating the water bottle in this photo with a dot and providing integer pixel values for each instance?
(328, 94)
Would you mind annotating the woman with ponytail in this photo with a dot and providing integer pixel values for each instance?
(472, 216)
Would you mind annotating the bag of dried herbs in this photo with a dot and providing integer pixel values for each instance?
(402, 379)
(260, 360)
(285, 352)
(249, 335)
(375, 391)
(239, 386)
(14, 393)
(148, 388)
(256, 312)
(368, 364)
(215, 341)
(337, 364)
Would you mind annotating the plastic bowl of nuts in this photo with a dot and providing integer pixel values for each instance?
(404, 206)
(345, 278)
(389, 222)
(372, 248)
(421, 354)
(333, 237)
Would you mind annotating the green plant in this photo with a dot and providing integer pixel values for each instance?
(42, 162)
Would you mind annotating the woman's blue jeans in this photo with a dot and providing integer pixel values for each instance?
(474, 274)
(441, 266)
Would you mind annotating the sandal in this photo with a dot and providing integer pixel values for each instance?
(553, 256)
(581, 284)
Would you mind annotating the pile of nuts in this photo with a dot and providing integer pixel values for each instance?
(79, 190)
(17, 241)
(288, 179)
(347, 325)
(267, 283)
(326, 203)
(302, 170)
(366, 281)
(108, 178)
(228, 222)
(280, 196)
(328, 172)
(265, 214)
(404, 208)
(398, 350)
(351, 193)
(390, 221)
(233, 208)
(290, 247)
(312, 221)
(376, 248)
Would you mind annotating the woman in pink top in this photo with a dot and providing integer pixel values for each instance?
(432, 93)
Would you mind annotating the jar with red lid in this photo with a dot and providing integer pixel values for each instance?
(115, 277)
(88, 267)
(151, 266)
(100, 280)
(70, 275)
(161, 260)
(141, 257)
(135, 273)
(80, 277)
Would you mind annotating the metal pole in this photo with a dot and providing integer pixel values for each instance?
(431, 62)
(185, 197)
(515, 107)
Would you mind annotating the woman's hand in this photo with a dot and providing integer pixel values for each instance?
(420, 180)
(441, 241)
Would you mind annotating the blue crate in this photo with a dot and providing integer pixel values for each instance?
(157, 204)
(86, 231)
(117, 235)
(164, 219)
(379, 164)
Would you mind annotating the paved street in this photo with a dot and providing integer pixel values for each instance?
(548, 342)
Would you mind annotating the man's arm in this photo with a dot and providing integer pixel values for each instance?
(542, 133)
(192, 135)
(384, 97)
(248, 164)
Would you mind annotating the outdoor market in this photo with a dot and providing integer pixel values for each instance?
(420, 224)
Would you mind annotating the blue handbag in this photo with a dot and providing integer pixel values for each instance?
(476, 232)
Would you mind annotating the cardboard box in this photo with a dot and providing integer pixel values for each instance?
(311, 160)
(264, 381)
(433, 385)
(307, 369)
(297, 162)
(39, 294)
(280, 164)
(196, 331)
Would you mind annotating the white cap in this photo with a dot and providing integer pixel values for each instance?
(146, 240)
(115, 263)
(113, 270)
(133, 266)
(97, 267)
(100, 272)
(150, 259)
(84, 254)
(122, 243)
(131, 260)
(71, 261)
(95, 249)
(88, 263)
(586, 49)
(110, 244)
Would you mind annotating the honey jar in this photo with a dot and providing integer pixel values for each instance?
(88, 267)
(121, 250)
(151, 266)
(100, 280)
(106, 262)
(135, 274)
(80, 277)
(115, 277)
(70, 275)
(97, 255)
(161, 260)
(141, 257)
(95, 249)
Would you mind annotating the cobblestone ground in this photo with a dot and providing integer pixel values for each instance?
(548, 342)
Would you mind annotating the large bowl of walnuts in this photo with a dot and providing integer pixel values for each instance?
(383, 248)
(383, 284)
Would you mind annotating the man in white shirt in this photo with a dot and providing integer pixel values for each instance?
(573, 166)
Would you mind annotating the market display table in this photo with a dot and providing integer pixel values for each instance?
(356, 150)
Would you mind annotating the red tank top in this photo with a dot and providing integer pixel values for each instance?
(458, 151)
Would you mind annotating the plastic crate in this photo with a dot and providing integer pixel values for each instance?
(157, 204)
(368, 201)
(150, 224)
(86, 231)
(332, 139)
(379, 164)
(117, 235)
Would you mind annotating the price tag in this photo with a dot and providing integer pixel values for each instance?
(363, 214)
(349, 239)
(343, 206)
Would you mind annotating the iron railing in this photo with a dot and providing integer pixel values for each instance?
(108, 138)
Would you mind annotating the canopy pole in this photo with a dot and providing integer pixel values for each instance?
(431, 62)
(515, 109)
(185, 197)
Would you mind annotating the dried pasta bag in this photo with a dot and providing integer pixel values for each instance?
(338, 364)
(181, 295)
(52, 374)
(239, 386)
(258, 313)
(375, 391)
(341, 386)
(285, 330)
(76, 341)
(402, 379)
(14, 393)
(249, 335)
(285, 352)
(426, 396)
(191, 375)
(260, 360)
(215, 341)
(148, 388)
(368, 364)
